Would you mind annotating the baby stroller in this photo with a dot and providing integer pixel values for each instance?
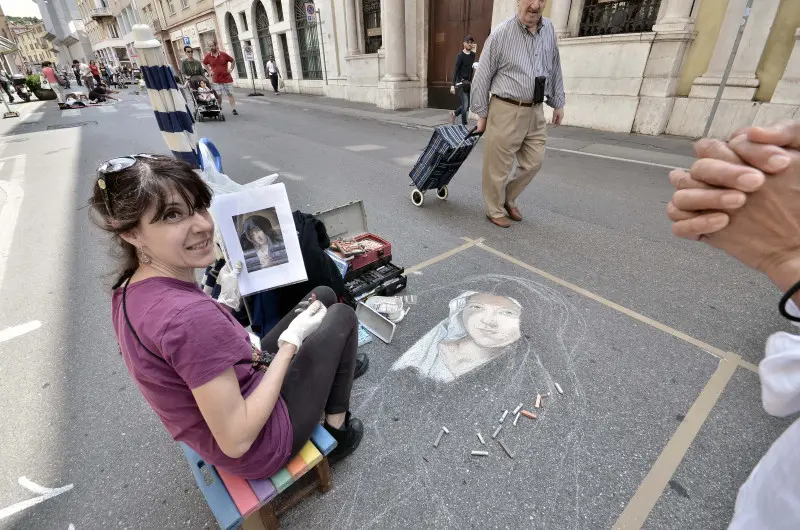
(206, 105)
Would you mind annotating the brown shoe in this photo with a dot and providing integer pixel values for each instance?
(502, 222)
(514, 213)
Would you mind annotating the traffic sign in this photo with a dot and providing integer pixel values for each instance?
(311, 12)
(248, 52)
(187, 41)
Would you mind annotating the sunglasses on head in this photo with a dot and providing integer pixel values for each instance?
(113, 166)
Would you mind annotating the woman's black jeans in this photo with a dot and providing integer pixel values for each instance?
(463, 110)
(320, 376)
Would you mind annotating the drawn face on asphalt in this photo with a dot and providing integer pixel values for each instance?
(492, 321)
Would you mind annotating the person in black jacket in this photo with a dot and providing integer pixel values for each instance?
(462, 79)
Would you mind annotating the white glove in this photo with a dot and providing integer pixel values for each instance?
(452, 90)
(303, 325)
(228, 281)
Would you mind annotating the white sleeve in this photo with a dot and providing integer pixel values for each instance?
(780, 371)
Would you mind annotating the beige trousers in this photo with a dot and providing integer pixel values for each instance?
(511, 131)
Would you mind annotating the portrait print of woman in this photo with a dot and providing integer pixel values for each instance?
(479, 328)
(262, 243)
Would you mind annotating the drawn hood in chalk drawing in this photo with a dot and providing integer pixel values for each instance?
(478, 329)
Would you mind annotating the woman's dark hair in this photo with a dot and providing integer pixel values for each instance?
(263, 224)
(130, 192)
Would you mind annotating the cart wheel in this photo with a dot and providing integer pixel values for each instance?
(417, 197)
(222, 117)
(442, 193)
(200, 117)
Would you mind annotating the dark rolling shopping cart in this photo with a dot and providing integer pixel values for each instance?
(448, 148)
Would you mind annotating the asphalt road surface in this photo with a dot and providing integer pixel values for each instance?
(654, 340)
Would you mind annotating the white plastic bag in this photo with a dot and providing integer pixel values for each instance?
(219, 182)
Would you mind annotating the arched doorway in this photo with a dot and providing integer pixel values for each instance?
(236, 46)
(308, 42)
(263, 36)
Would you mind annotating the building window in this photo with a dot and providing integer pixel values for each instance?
(308, 42)
(185, 4)
(263, 35)
(243, 19)
(279, 10)
(603, 17)
(171, 6)
(373, 36)
(112, 28)
(236, 46)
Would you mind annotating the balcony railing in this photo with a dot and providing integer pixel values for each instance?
(618, 16)
(100, 12)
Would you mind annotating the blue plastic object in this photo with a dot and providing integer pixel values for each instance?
(217, 497)
(323, 440)
(214, 152)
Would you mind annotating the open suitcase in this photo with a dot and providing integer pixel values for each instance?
(448, 148)
(371, 272)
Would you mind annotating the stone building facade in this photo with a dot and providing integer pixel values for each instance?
(647, 66)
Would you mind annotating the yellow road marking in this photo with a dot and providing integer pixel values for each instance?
(649, 491)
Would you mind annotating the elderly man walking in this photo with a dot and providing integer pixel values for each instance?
(519, 66)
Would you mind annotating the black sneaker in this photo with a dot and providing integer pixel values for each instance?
(362, 363)
(235, 113)
(348, 437)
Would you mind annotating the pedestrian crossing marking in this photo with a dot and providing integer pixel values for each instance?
(107, 109)
(33, 116)
(362, 148)
(70, 113)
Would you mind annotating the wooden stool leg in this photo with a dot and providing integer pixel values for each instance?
(269, 517)
(324, 475)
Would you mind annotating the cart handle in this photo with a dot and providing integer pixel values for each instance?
(474, 132)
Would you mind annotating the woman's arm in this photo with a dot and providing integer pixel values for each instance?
(235, 422)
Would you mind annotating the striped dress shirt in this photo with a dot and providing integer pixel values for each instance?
(512, 59)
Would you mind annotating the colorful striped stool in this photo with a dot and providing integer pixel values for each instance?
(233, 500)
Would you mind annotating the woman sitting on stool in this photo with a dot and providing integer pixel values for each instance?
(193, 362)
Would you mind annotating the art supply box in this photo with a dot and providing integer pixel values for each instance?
(370, 272)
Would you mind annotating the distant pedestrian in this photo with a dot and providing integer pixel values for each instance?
(53, 81)
(220, 65)
(274, 73)
(5, 82)
(95, 72)
(190, 65)
(85, 72)
(77, 71)
(462, 79)
(520, 65)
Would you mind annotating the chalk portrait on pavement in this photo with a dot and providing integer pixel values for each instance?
(479, 328)
(496, 341)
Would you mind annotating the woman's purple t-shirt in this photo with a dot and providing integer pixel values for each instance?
(199, 339)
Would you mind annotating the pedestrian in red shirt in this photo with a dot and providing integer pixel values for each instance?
(95, 72)
(216, 63)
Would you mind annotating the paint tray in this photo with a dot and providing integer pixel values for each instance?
(375, 323)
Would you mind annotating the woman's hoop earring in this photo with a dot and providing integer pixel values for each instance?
(144, 258)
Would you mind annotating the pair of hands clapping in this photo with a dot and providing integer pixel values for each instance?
(743, 196)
